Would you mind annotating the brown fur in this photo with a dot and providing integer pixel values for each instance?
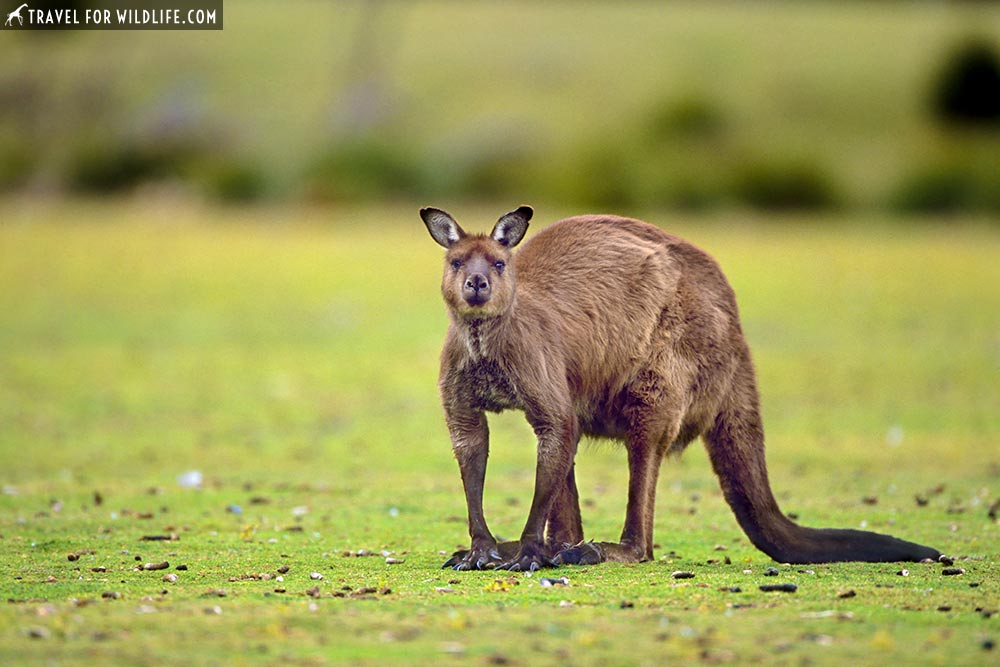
(608, 327)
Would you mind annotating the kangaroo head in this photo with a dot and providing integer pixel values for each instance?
(478, 280)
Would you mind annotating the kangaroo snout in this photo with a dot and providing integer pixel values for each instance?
(476, 290)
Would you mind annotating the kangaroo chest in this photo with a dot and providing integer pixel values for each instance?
(489, 386)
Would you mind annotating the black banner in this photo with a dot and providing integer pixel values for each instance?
(111, 14)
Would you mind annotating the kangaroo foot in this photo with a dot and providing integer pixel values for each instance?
(483, 557)
(529, 557)
(591, 553)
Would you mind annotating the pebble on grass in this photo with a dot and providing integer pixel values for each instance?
(682, 574)
(771, 572)
(952, 571)
(156, 566)
(782, 588)
(549, 582)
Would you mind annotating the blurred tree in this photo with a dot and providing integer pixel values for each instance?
(968, 88)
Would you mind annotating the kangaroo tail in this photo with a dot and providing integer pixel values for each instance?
(735, 446)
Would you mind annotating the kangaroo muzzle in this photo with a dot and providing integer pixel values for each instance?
(476, 289)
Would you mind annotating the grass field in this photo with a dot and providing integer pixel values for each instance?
(289, 356)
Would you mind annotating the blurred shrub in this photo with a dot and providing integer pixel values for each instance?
(692, 185)
(967, 90)
(198, 160)
(950, 185)
(601, 177)
(365, 168)
(692, 116)
(97, 168)
(784, 184)
(17, 163)
(233, 181)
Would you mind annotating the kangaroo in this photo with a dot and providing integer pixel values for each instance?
(608, 327)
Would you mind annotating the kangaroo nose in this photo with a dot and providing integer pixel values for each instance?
(477, 282)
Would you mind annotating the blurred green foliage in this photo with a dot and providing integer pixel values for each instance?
(767, 105)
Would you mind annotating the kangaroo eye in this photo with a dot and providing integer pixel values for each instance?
(500, 266)
(456, 264)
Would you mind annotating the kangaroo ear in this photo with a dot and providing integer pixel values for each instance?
(442, 226)
(510, 228)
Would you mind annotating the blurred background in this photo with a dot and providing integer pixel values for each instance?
(628, 106)
(195, 227)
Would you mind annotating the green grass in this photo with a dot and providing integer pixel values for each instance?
(290, 356)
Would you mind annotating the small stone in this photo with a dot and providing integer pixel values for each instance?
(72, 557)
(181, 568)
(846, 594)
(946, 560)
(548, 582)
(994, 510)
(944, 607)
(973, 584)
(111, 595)
(626, 604)
(283, 569)
(99, 568)
(683, 574)
(904, 573)
(385, 590)
(313, 592)
(316, 576)
(394, 561)
(771, 572)
(952, 571)
(782, 588)
(156, 566)
(170, 578)
(39, 632)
